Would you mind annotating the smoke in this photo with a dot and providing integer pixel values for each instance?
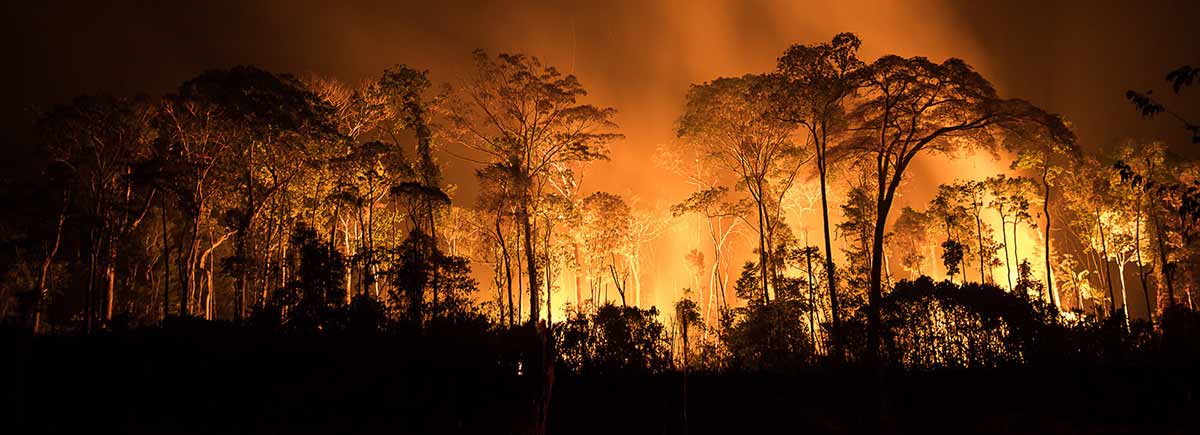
(642, 64)
(638, 56)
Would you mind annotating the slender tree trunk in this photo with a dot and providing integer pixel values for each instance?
(1112, 308)
(531, 263)
(208, 301)
(243, 272)
(549, 307)
(834, 316)
(1162, 259)
(762, 243)
(507, 271)
(1078, 293)
(714, 278)
(433, 249)
(979, 236)
(576, 273)
(520, 282)
(44, 272)
(189, 278)
(1137, 249)
(1016, 248)
(812, 291)
(1046, 212)
(1007, 263)
(90, 297)
(1124, 301)
(349, 266)
(166, 296)
(110, 275)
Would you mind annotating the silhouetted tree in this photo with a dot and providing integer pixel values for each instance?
(728, 121)
(816, 82)
(1010, 199)
(314, 301)
(102, 140)
(525, 116)
(1179, 79)
(766, 335)
(613, 339)
(913, 106)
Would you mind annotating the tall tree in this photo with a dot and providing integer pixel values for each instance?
(605, 229)
(102, 140)
(710, 202)
(912, 107)
(1046, 156)
(1141, 165)
(910, 234)
(728, 120)
(974, 194)
(950, 212)
(526, 116)
(816, 80)
(1091, 204)
(269, 119)
(1010, 200)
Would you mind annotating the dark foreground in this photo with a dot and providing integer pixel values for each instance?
(160, 383)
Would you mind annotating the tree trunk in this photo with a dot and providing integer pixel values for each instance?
(1007, 263)
(531, 264)
(1137, 249)
(812, 291)
(243, 272)
(44, 272)
(1162, 259)
(435, 283)
(834, 316)
(89, 298)
(208, 299)
(1124, 301)
(578, 269)
(110, 274)
(520, 269)
(349, 265)
(762, 243)
(1046, 212)
(1016, 249)
(979, 237)
(875, 295)
(1112, 307)
(189, 278)
(166, 296)
(507, 271)
(549, 278)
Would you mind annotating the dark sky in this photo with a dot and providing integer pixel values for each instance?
(1075, 58)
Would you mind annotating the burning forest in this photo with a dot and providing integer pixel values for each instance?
(725, 231)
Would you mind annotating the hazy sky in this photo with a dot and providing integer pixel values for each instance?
(638, 56)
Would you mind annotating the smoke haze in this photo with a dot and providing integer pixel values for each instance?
(637, 56)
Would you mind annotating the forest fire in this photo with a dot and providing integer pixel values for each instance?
(509, 218)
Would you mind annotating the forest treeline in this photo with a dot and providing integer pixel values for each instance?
(302, 205)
